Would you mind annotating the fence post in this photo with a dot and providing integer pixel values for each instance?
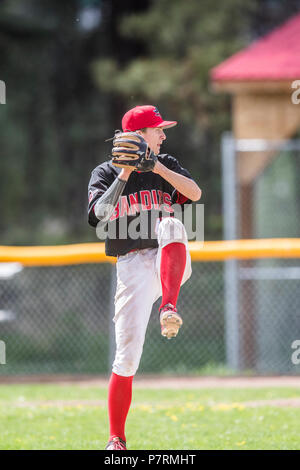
(2, 92)
(230, 233)
(2, 352)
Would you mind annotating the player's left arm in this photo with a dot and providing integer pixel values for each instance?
(183, 184)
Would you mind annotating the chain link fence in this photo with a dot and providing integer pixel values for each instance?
(59, 320)
(261, 200)
(240, 316)
(261, 188)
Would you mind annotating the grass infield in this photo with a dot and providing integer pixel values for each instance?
(75, 417)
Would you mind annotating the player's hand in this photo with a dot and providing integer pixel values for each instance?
(125, 173)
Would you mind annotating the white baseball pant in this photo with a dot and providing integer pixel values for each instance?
(138, 287)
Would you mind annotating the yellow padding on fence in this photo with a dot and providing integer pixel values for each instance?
(55, 255)
(94, 252)
(245, 249)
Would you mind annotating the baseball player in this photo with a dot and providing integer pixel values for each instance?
(133, 190)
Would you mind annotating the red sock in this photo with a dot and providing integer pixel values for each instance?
(172, 265)
(119, 400)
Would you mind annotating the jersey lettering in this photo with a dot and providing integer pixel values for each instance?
(134, 204)
(154, 199)
(124, 206)
(115, 213)
(167, 203)
(146, 200)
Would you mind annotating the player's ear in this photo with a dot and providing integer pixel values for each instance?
(141, 131)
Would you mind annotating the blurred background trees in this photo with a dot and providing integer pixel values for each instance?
(73, 68)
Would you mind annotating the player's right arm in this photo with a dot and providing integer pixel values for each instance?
(184, 185)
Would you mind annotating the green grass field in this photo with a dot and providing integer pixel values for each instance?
(75, 417)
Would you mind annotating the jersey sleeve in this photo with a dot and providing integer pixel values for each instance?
(174, 165)
(98, 184)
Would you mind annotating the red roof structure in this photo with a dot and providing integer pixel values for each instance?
(274, 57)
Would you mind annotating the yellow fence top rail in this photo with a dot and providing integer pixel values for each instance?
(246, 249)
(95, 253)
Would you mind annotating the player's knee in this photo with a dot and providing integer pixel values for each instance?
(123, 370)
(171, 230)
(126, 368)
(128, 357)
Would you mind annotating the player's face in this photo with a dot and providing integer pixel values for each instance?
(154, 137)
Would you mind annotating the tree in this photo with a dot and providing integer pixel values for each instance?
(183, 41)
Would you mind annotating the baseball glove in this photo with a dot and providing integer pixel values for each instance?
(131, 150)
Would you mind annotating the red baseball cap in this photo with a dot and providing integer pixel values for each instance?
(144, 116)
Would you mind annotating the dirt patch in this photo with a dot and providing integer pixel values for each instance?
(217, 382)
(278, 402)
(160, 382)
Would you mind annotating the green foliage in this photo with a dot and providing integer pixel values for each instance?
(51, 126)
(184, 40)
(68, 87)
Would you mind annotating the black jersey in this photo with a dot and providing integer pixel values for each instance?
(145, 193)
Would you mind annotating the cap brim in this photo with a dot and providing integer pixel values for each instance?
(167, 124)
